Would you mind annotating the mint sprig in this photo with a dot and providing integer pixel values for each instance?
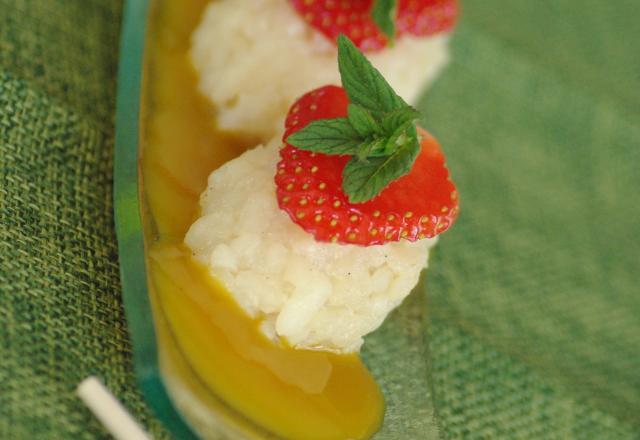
(362, 181)
(384, 15)
(328, 136)
(379, 131)
(365, 86)
(362, 120)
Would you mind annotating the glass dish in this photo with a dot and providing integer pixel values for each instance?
(153, 52)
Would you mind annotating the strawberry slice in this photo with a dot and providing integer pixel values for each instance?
(426, 17)
(420, 204)
(353, 19)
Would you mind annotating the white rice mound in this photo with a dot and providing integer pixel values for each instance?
(315, 295)
(256, 57)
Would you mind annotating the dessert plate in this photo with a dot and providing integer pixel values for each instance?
(533, 304)
(163, 141)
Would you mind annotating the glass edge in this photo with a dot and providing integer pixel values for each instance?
(128, 222)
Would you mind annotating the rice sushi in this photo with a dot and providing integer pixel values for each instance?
(255, 57)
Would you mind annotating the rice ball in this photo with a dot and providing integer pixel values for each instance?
(315, 295)
(254, 58)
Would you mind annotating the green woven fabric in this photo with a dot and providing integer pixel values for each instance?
(61, 317)
(533, 296)
(531, 324)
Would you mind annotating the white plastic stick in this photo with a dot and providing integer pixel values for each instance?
(115, 418)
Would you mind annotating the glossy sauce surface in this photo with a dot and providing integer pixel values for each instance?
(291, 393)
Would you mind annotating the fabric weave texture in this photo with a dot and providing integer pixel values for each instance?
(528, 324)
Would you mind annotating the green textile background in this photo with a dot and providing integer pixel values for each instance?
(531, 325)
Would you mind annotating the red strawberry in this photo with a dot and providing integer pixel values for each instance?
(420, 204)
(322, 103)
(353, 18)
(426, 17)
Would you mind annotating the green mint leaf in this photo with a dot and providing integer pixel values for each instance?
(362, 121)
(362, 181)
(384, 15)
(329, 136)
(398, 138)
(392, 120)
(371, 148)
(364, 85)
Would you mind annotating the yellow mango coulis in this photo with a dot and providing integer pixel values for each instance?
(288, 393)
